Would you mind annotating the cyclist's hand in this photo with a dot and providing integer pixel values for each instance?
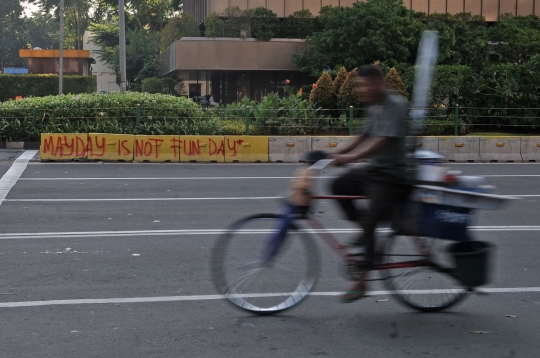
(340, 159)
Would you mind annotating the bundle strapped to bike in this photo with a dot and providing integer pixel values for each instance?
(446, 214)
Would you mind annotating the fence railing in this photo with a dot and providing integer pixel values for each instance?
(27, 124)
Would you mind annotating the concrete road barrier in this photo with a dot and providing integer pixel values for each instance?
(428, 143)
(159, 149)
(247, 149)
(460, 149)
(63, 147)
(202, 149)
(500, 149)
(330, 144)
(288, 149)
(530, 149)
(110, 147)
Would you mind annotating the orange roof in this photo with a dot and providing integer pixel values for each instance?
(54, 53)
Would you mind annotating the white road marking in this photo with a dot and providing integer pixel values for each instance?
(191, 232)
(163, 178)
(228, 178)
(144, 199)
(220, 297)
(14, 173)
(78, 200)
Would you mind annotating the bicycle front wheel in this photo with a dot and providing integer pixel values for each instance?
(242, 275)
(430, 283)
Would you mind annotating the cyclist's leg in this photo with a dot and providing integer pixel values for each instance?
(351, 183)
(384, 196)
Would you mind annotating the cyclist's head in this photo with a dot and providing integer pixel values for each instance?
(371, 84)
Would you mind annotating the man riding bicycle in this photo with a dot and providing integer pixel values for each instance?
(386, 179)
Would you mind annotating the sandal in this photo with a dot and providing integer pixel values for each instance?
(351, 296)
(358, 241)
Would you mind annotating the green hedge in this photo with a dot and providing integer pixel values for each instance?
(104, 113)
(12, 86)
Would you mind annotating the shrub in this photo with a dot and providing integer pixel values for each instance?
(273, 115)
(348, 96)
(12, 86)
(104, 113)
(394, 82)
(152, 85)
(323, 93)
(340, 79)
(445, 126)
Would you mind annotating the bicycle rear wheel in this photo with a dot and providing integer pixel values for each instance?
(431, 287)
(250, 283)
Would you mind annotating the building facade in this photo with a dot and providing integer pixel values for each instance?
(490, 9)
(232, 68)
(76, 62)
(105, 76)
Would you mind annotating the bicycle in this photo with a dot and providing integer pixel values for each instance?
(267, 263)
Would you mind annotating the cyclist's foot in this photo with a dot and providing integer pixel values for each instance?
(351, 296)
(358, 241)
(357, 290)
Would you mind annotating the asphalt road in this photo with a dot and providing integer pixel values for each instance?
(112, 260)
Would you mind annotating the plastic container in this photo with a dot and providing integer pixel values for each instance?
(472, 260)
(444, 222)
(429, 166)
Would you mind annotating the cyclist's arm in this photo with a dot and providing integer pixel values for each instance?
(366, 149)
(355, 143)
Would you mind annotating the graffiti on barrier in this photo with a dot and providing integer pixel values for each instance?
(212, 147)
(64, 146)
(231, 152)
(97, 146)
(157, 147)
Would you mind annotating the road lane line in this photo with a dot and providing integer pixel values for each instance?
(160, 178)
(78, 200)
(17, 304)
(145, 199)
(14, 173)
(192, 232)
(230, 178)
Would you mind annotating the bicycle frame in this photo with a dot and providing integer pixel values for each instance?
(330, 239)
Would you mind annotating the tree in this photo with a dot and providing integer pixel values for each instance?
(299, 25)
(141, 47)
(42, 31)
(214, 26)
(340, 79)
(323, 93)
(12, 34)
(374, 30)
(453, 84)
(348, 93)
(463, 38)
(77, 18)
(264, 23)
(152, 85)
(445, 34)
(394, 82)
(517, 38)
(236, 23)
(184, 25)
(471, 44)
